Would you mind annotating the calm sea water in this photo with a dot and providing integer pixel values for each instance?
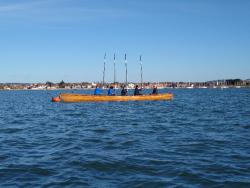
(199, 139)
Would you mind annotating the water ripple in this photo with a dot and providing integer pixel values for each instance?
(200, 139)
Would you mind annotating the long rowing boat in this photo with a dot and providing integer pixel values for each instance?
(68, 97)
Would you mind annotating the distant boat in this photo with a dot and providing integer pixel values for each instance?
(190, 87)
(203, 87)
(224, 87)
(217, 84)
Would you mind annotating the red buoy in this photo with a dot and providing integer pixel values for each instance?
(55, 99)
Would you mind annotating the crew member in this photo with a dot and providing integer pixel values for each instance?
(111, 91)
(97, 91)
(155, 90)
(124, 91)
(137, 90)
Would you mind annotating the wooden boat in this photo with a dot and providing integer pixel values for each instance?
(67, 97)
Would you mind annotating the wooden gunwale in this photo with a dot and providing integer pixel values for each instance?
(68, 97)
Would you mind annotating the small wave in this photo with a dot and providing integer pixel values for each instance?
(11, 130)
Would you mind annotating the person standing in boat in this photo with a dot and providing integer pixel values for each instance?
(155, 90)
(111, 91)
(137, 91)
(97, 91)
(124, 91)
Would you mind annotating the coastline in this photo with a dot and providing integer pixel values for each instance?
(221, 84)
(148, 88)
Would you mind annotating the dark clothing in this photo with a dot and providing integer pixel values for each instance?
(124, 92)
(155, 91)
(137, 91)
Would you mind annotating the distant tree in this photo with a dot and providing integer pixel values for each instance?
(49, 84)
(234, 82)
(62, 84)
(238, 82)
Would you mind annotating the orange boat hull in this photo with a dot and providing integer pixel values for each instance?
(65, 97)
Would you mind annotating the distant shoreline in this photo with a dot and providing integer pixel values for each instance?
(229, 83)
(84, 89)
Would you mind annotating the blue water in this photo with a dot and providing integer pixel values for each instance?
(199, 139)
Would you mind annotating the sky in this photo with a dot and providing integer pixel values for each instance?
(179, 40)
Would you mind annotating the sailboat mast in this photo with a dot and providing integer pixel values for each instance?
(126, 67)
(104, 70)
(141, 70)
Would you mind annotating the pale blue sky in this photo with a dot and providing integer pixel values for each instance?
(180, 40)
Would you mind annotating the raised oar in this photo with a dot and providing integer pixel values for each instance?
(114, 71)
(104, 70)
(114, 75)
(126, 67)
(141, 71)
